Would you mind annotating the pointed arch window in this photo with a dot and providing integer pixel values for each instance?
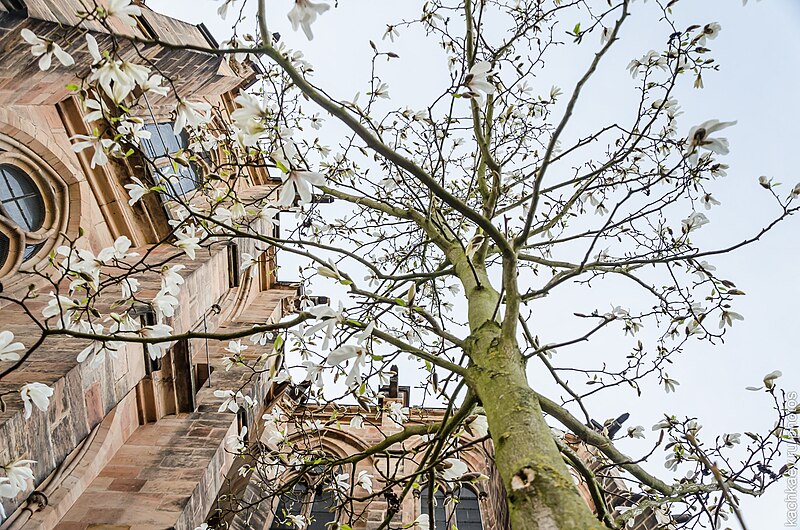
(440, 516)
(289, 504)
(323, 509)
(317, 504)
(468, 509)
(458, 509)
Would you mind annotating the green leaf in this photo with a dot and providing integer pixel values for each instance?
(73, 87)
(577, 29)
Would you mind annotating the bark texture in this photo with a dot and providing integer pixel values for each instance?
(541, 492)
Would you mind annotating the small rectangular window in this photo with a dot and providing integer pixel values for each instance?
(163, 144)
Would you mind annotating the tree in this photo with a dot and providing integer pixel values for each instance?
(463, 215)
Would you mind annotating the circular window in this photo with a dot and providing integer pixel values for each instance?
(32, 207)
(22, 203)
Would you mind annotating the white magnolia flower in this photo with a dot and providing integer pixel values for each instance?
(19, 474)
(45, 50)
(364, 479)
(636, 432)
(229, 400)
(703, 268)
(236, 443)
(366, 333)
(693, 222)
(341, 483)
(345, 353)
(109, 75)
(35, 394)
(59, 304)
(250, 108)
(222, 10)
(669, 384)
(96, 110)
(397, 413)
(328, 320)
(275, 436)
(9, 350)
(98, 351)
(453, 469)
(477, 80)
(357, 422)
(118, 251)
(267, 215)
(478, 426)
(136, 191)
(133, 129)
(299, 183)
(188, 241)
(390, 32)
(710, 31)
(423, 522)
(329, 271)
(136, 74)
(707, 200)
(157, 331)
(171, 280)
(769, 379)
(123, 10)
(313, 373)
(237, 43)
(164, 304)
(94, 49)
(298, 521)
(100, 146)
(699, 136)
(191, 113)
(153, 86)
(729, 440)
(726, 318)
(304, 13)
(666, 423)
(248, 262)
(382, 91)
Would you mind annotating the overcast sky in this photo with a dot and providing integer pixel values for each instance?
(758, 85)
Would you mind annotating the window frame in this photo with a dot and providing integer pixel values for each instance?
(55, 207)
(158, 163)
(307, 502)
(449, 504)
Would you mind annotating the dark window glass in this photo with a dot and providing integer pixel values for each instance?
(291, 504)
(323, 510)
(468, 510)
(4, 248)
(30, 250)
(162, 143)
(439, 514)
(20, 199)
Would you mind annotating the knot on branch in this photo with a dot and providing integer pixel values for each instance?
(523, 479)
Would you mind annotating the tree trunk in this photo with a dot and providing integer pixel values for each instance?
(541, 492)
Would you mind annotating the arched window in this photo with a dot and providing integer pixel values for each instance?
(323, 510)
(289, 504)
(317, 504)
(467, 510)
(29, 217)
(440, 516)
(460, 509)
